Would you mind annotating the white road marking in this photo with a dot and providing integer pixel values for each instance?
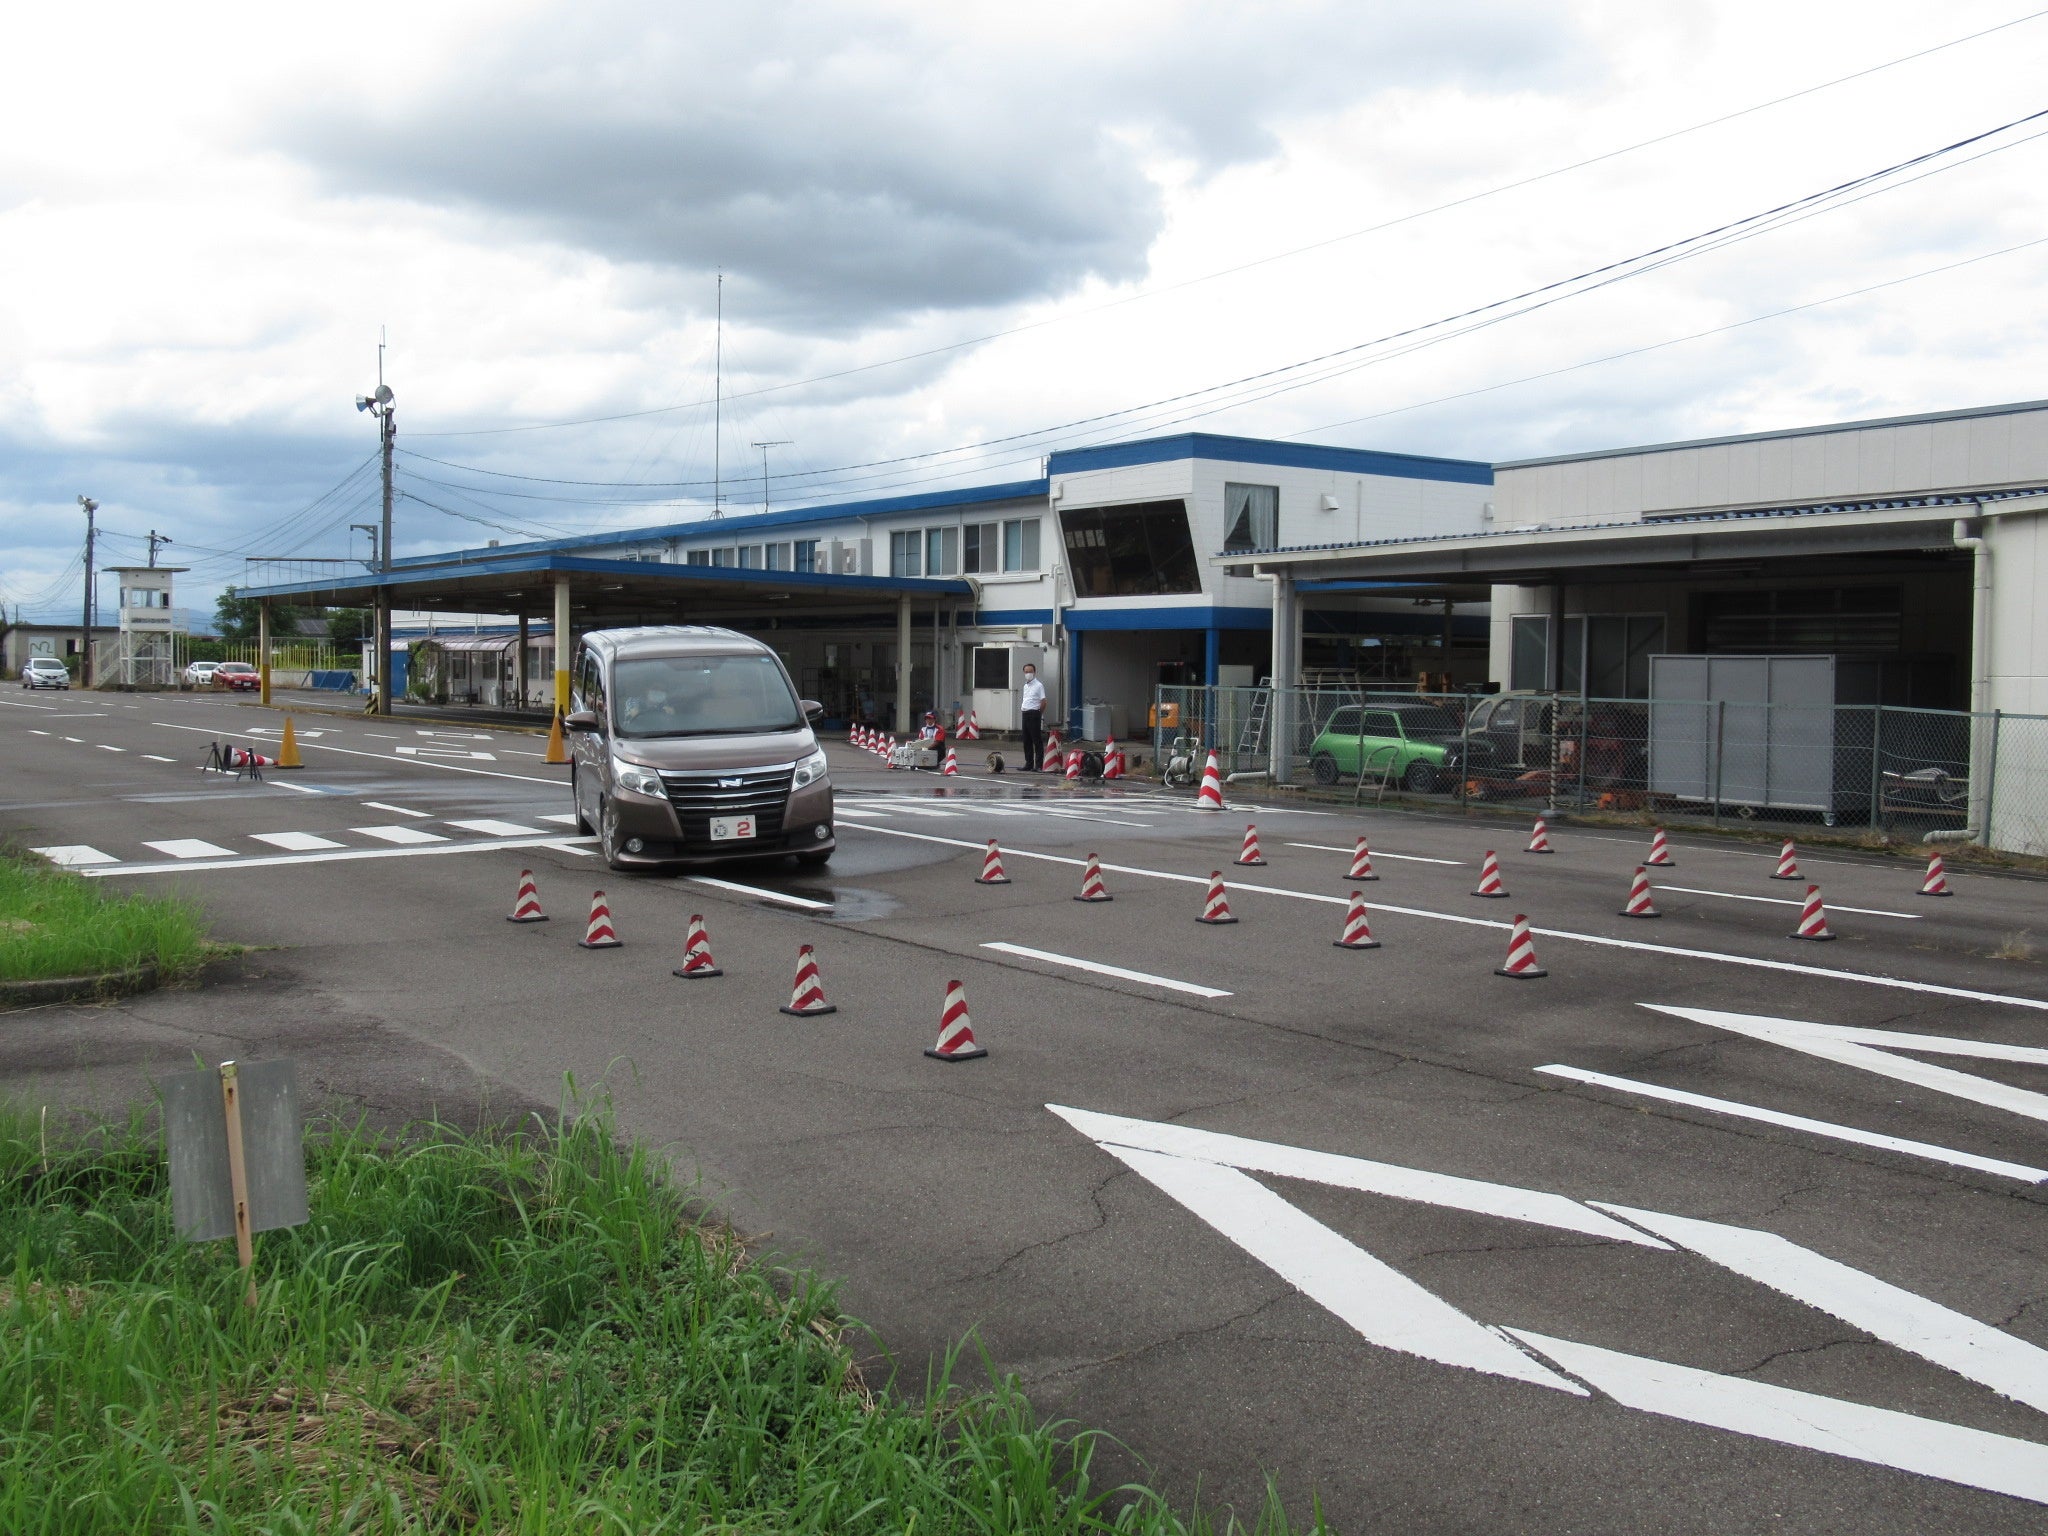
(559, 820)
(105, 748)
(847, 810)
(268, 861)
(455, 735)
(438, 753)
(296, 842)
(399, 810)
(925, 810)
(151, 757)
(1756, 962)
(1786, 901)
(75, 741)
(1406, 858)
(803, 903)
(25, 704)
(402, 835)
(34, 732)
(386, 735)
(191, 848)
(304, 789)
(1801, 1123)
(1100, 969)
(1872, 1050)
(496, 828)
(382, 757)
(75, 855)
(1928, 1447)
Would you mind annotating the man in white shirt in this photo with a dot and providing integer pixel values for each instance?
(1034, 720)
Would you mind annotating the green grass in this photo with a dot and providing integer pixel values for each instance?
(522, 1333)
(55, 923)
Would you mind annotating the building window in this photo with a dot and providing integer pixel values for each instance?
(1827, 620)
(941, 551)
(1604, 656)
(1020, 544)
(1133, 551)
(1251, 517)
(700, 557)
(778, 557)
(983, 548)
(906, 550)
(807, 556)
(724, 556)
(750, 557)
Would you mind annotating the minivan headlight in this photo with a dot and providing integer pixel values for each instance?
(810, 770)
(642, 781)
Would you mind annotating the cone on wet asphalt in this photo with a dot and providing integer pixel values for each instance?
(1660, 852)
(600, 934)
(526, 905)
(1216, 906)
(1813, 918)
(807, 996)
(697, 963)
(1539, 839)
(1639, 903)
(1361, 862)
(1936, 883)
(1112, 760)
(1210, 796)
(1073, 764)
(1357, 931)
(971, 731)
(992, 867)
(956, 1032)
(1249, 854)
(1092, 888)
(1788, 862)
(1489, 877)
(952, 768)
(1521, 962)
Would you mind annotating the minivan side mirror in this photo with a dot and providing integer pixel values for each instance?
(812, 708)
(580, 720)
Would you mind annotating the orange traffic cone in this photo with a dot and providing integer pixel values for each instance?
(1489, 877)
(1813, 918)
(1210, 796)
(1361, 862)
(1788, 862)
(1936, 883)
(288, 747)
(599, 935)
(1357, 931)
(697, 964)
(1250, 854)
(956, 1032)
(558, 748)
(807, 997)
(1521, 963)
(526, 905)
(1639, 903)
(992, 867)
(1091, 883)
(1660, 851)
(1216, 909)
(1539, 840)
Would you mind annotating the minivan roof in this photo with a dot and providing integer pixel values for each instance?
(674, 640)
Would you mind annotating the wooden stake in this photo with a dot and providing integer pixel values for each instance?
(238, 1177)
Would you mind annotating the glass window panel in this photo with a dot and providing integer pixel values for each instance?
(778, 557)
(1529, 652)
(807, 556)
(700, 557)
(905, 549)
(1251, 517)
(1131, 551)
(750, 557)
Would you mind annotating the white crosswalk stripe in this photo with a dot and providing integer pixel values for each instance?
(75, 855)
(295, 842)
(400, 834)
(492, 828)
(191, 848)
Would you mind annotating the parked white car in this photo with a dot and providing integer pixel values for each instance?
(199, 674)
(45, 672)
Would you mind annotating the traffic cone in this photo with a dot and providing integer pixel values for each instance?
(1092, 888)
(1813, 918)
(1357, 931)
(526, 905)
(1521, 963)
(1073, 765)
(1210, 796)
(1788, 862)
(1539, 840)
(952, 768)
(1660, 852)
(971, 731)
(1361, 862)
(558, 749)
(697, 963)
(1216, 910)
(1639, 903)
(288, 748)
(1112, 760)
(956, 1033)
(807, 997)
(992, 867)
(1250, 854)
(1489, 877)
(1050, 756)
(1936, 883)
(600, 934)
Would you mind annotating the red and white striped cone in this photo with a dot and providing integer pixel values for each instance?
(858, 738)
(1216, 908)
(600, 934)
(1112, 760)
(1639, 903)
(1210, 796)
(1092, 888)
(1813, 918)
(1936, 883)
(952, 768)
(1051, 758)
(697, 964)
(1521, 963)
(956, 1032)
(959, 722)
(1539, 840)
(1357, 931)
(1660, 852)
(807, 997)
(526, 905)
(971, 731)
(1249, 854)
(1788, 862)
(1489, 877)
(992, 867)
(1361, 862)
(1073, 765)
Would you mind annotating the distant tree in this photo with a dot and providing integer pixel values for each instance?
(348, 626)
(239, 617)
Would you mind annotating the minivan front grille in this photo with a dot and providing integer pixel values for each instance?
(762, 793)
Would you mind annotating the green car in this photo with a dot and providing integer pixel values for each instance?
(1420, 738)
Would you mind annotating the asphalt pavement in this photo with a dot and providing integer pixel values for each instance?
(1709, 1229)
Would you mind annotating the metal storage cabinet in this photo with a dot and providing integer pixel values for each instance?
(1762, 732)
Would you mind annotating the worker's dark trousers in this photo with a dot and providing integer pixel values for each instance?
(1034, 740)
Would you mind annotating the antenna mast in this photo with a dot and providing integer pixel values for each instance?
(718, 403)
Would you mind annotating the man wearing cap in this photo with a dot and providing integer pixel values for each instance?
(1034, 720)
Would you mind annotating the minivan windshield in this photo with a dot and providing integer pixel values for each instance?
(701, 696)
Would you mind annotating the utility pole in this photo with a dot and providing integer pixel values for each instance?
(380, 406)
(85, 650)
(371, 530)
(718, 404)
(155, 539)
(773, 442)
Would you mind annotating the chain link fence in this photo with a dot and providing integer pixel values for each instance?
(1900, 772)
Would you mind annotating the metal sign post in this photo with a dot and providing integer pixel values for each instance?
(237, 1154)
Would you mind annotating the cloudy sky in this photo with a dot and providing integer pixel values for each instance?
(953, 238)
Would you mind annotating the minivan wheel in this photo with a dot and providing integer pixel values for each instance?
(1324, 767)
(1420, 778)
(576, 804)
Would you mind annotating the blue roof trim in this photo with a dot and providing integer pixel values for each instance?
(715, 530)
(1083, 620)
(1262, 450)
(519, 562)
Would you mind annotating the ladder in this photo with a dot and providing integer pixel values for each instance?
(1251, 740)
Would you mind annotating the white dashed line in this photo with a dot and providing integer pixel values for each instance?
(75, 855)
(801, 902)
(296, 842)
(1099, 969)
(396, 810)
(191, 848)
(497, 828)
(404, 835)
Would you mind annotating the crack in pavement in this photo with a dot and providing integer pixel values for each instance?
(1101, 1220)
(1800, 1349)
(1125, 1356)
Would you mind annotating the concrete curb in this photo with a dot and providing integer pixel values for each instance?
(73, 989)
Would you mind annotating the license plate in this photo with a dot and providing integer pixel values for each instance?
(728, 829)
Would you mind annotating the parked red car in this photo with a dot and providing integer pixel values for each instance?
(237, 674)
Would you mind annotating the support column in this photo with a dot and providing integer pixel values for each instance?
(561, 646)
(519, 665)
(1212, 655)
(382, 629)
(903, 727)
(1075, 697)
(1286, 670)
(263, 651)
(1553, 662)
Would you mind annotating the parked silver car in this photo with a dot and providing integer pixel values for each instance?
(45, 672)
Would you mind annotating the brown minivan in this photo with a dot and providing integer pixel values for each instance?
(688, 744)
